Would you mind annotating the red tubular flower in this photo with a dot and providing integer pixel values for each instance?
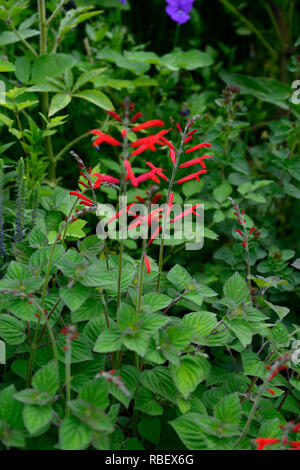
(251, 230)
(238, 231)
(84, 203)
(104, 138)
(192, 176)
(164, 141)
(156, 198)
(147, 263)
(149, 175)
(130, 174)
(158, 171)
(194, 161)
(184, 213)
(104, 179)
(172, 156)
(149, 142)
(147, 124)
(295, 444)
(156, 232)
(262, 442)
(136, 116)
(179, 128)
(188, 139)
(270, 390)
(83, 184)
(81, 196)
(114, 115)
(124, 133)
(141, 199)
(192, 132)
(296, 428)
(119, 213)
(199, 146)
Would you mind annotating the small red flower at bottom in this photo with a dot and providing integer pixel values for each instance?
(147, 263)
(262, 442)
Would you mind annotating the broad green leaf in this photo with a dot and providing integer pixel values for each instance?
(23, 69)
(145, 402)
(156, 301)
(188, 429)
(228, 410)
(74, 297)
(11, 329)
(222, 192)
(50, 66)
(74, 434)
(149, 429)
(203, 322)
(137, 342)
(96, 97)
(46, 379)
(191, 371)
(6, 66)
(36, 417)
(10, 408)
(241, 329)
(59, 102)
(95, 393)
(180, 278)
(236, 289)
(108, 341)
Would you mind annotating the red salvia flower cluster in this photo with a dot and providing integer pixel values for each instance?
(240, 215)
(290, 427)
(277, 366)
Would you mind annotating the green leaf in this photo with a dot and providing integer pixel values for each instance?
(236, 289)
(130, 378)
(203, 322)
(228, 410)
(6, 66)
(153, 322)
(108, 341)
(95, 393)
(36, 417)
(252, 364)
(37, 239)
(11, 329)
(127, 317)
(95, 418)
(222, 192)
(180, 278)
(90, 246)
(137, 342)
(96, 97)
(59, 102)
(10, 408)
(281, 311)
(80, 349)
(50, 66)
(75, 296)
(23, 69)
(156, 301)
(188, 429)
(46, 379)
(149, 428)
(144, 401)
(9, 37)
(191, 371)
(74, 434)
(241, 329)
(158, 380)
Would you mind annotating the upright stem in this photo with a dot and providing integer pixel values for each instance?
(68, 374)
(141, 276)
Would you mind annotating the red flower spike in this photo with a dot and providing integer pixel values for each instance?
(179, 128)
(188, 139)
(148, 142)
(156, 232)
(184, 213)
(262, 442)
(147, 124)
(85, 203)
(149, 175)
(104, 179)
(104, 138)
(295, 443)
(273, 375)
(172, 156)
(81, 196)
(130, 173)
(156, 198)
(147, 263)
(192, 176)
(194, 161)
(158, 171)
(296, 428)
(141, 149)
(136, 117)
(270, 390)
(83, 184)
(199, 146)
(114, 115)
(166, 142)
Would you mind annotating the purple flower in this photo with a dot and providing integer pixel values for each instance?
(123, 2)
(179, 10)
